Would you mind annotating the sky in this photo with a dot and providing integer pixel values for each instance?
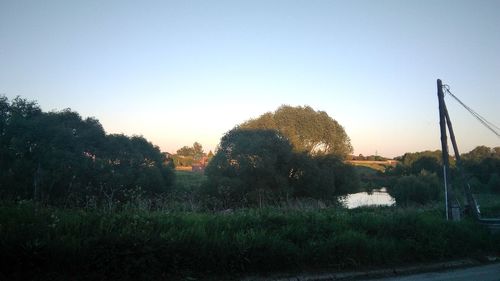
(177, 72)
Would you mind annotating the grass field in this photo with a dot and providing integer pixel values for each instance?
(380, 166)
(187, 180)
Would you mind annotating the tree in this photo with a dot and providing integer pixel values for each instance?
(187, 155)
(322, 177)
(307, 130)
(210, 155)
(249, 168)
(255, 166)
(198, 152)
(185, 151)
(496, 151)
(425, 163)
(412, 163)
(482, 163)
(477, 154)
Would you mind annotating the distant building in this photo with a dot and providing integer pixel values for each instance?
(200, 165)
(167, 158)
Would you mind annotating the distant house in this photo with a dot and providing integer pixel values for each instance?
(392, 162)
(200, 165)
(167, 158)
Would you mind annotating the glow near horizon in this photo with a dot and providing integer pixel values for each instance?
(177, 72)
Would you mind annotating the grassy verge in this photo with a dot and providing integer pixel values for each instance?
(57, 244)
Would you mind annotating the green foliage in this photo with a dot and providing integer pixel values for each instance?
(182, 161)
(425, 163)
(250, 166)
(416, 162)
(322, 177)
(483, 165)
(186, 155)
(257, 167)
(480, 153)
(307, 130)
(416, 190)
(60, 158)
(47, 244)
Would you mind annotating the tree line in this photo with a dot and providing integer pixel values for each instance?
(417, 177)
(186, 156)
(60, 158)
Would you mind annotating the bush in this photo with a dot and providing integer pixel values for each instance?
(415, 190)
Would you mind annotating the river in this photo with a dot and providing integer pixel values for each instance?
(379, 197)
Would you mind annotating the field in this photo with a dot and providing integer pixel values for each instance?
(187, 180)
(380, 166)
(61, 244)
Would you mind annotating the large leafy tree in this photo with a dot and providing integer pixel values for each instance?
(307, 130)
(187, 155)
(255, 166)
(250, 167)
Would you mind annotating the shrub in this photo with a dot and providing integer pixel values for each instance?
(416, 190)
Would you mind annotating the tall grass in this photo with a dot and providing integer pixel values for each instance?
(38, 243)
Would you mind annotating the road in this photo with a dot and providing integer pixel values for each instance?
(479, 273)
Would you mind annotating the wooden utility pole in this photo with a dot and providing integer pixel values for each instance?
(452, 208)
(471, 207)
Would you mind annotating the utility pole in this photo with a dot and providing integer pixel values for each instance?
(471, 207)
(452, 208)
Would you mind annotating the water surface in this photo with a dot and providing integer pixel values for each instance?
(379, 197)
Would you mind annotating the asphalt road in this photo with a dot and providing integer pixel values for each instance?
(479, 273)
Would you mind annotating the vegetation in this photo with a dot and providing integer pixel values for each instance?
(482, 166)
(257, 167)
(189, 155)
(250, 166)
(416, 190)
(59, 244)
(412, 177)
(79, 204)
(413, 163)
(307, 130)
(60, 158)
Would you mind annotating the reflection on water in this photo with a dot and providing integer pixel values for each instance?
(378, 197)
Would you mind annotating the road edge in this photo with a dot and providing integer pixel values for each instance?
(376, 273)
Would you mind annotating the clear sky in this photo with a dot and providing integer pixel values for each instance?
(182, 71)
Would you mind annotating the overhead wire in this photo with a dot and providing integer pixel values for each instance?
(492, 127)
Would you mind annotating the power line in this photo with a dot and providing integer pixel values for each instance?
(492, 127)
